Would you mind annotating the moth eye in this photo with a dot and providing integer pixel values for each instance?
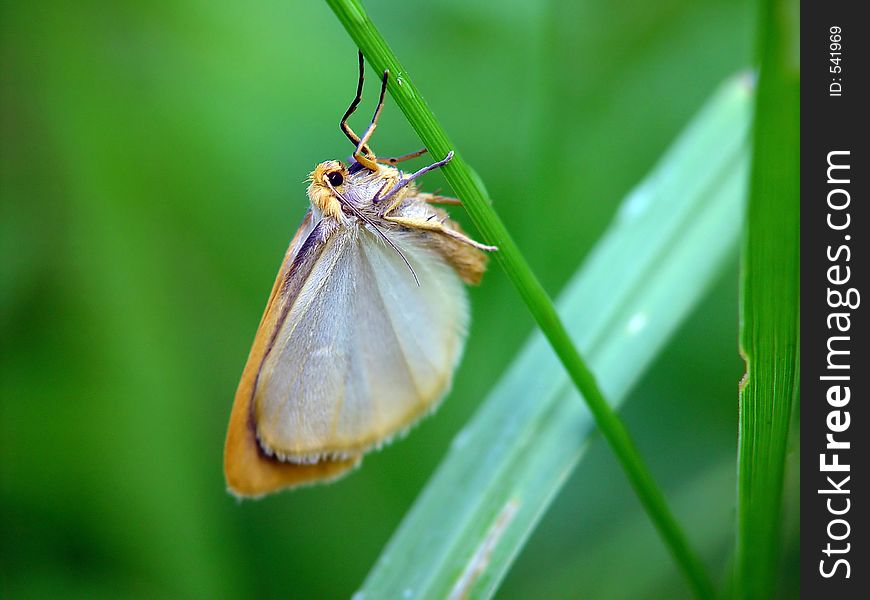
(335, 178)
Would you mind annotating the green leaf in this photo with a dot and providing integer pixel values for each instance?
(770, 324)
(669, 240)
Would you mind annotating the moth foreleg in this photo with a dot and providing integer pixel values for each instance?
(438, 199)
(438, 226)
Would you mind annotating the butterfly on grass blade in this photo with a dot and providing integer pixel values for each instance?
(364, 326)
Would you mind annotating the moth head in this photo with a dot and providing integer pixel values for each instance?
(326, 179)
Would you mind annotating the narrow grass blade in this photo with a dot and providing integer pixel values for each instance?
(770, 302)
(470, 189)
(669, 240)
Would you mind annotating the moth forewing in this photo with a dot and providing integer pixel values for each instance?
(364, 351)
(249, 471)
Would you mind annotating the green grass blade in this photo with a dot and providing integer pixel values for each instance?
(470, 189)
(671, 237)
(770, 309)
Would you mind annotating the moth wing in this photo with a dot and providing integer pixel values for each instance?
(363, 351)
(248, 471)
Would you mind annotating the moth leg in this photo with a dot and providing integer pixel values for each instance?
(438, 226)
(397, 159)
(405, 180)
(363, 154)
(428, 199)
(351, 135)
(438, 199)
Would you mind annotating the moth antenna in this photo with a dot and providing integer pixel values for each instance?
(367, 159)
(406, 180)
(359, 215)
(351, 135)
(397, 159)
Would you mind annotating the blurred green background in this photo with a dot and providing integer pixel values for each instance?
(153, 157)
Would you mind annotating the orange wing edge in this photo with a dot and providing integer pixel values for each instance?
(249, 472)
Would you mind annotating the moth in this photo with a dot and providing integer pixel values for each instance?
(365, 324)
